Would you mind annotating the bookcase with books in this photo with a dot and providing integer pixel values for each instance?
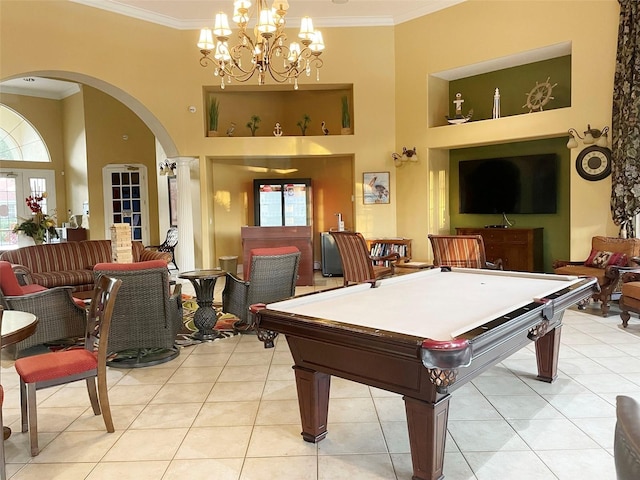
(379, 247)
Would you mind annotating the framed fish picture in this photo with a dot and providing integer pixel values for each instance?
(375, 188)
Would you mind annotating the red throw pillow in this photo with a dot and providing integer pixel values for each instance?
(602, 259)
(618, 259)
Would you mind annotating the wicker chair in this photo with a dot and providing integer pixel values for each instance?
(168, 245)
(626, 440)
(59, 316)
(358, 266)
(272, 277)
(465, 251)
(147, 317)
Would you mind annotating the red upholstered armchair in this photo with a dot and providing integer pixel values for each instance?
(271, 277)
(59, 316)
(358, 266)
(465, 251)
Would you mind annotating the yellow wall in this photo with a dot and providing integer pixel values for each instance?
(481, 30)
(46, 116)
(155, 71)
(115, 135)
(234, 206)
(75, 153)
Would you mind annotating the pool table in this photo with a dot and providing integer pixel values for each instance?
(421, 335)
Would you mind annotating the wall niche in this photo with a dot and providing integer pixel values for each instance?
(515, 77)
(279, 104)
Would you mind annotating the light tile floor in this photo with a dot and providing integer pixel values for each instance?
(227, 410)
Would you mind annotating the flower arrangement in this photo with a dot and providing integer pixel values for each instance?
(40, 223)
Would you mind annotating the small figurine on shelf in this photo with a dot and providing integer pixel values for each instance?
(496, 104)
(231, 129)
(459, 117)
(72, 220)
(277, 130)
(325, 130)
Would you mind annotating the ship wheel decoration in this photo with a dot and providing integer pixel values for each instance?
(539, 96)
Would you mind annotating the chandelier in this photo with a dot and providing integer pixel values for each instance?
(263, 52)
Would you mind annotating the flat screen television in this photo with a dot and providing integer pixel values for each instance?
(517, 184)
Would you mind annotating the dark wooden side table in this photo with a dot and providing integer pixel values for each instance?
(205, 318)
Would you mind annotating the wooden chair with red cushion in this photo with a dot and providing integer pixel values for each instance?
(59, 315)
(62, 367)
(358, 266)
(3, 467)
(466, 251)
(271, 277)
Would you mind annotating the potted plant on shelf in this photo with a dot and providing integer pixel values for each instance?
(214, 111)
(253, 124)
(304, 123)
(346, 117)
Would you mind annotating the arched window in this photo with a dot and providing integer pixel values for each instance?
(19, 140)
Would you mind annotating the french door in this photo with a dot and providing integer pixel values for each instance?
(126, 199)
(15, 186)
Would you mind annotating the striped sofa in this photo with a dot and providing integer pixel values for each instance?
(70, 263)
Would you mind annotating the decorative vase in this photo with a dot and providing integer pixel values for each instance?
(212, 133)
(40, 237)
(25, 240)
(345, 131)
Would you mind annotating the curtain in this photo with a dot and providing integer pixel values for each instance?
(625, 192)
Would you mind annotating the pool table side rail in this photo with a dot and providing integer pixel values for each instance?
(561, 299)
(322, 345)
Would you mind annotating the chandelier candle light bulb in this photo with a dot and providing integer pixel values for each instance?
(259, 50)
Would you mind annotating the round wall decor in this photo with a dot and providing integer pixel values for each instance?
(594, 163)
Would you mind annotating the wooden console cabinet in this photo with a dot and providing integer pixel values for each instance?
(519, 248)
(266, 237)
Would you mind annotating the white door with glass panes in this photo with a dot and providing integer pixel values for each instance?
(15, 186)
(126, 199)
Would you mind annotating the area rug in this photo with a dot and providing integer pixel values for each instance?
(183, 337)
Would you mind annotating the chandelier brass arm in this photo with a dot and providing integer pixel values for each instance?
(263, 53)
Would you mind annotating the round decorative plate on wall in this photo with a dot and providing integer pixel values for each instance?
(594, 163)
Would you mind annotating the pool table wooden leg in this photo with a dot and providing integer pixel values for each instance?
(313, 400)
(547, 352)
(427, 424)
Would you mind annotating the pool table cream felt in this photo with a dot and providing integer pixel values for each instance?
(429, 304)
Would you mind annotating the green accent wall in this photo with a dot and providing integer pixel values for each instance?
(514, 84)
(556, 226)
